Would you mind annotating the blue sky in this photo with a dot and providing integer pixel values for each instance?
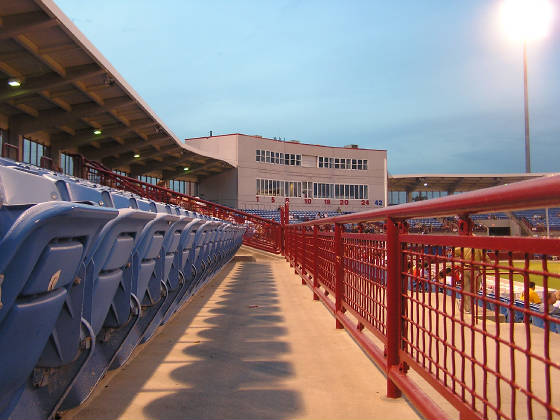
(435, 83)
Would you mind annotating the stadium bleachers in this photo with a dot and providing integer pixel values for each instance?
(536, 219)
(87, 273)
(296, 216)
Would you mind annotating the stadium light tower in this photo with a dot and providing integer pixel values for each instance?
(525, 21)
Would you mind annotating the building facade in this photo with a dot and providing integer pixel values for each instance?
(320, 178)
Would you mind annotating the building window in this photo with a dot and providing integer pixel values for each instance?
(148, 179)
(67, 164)
(341, 163)
(307, 189)
(33, 152)
(277, 188)
(179, 186)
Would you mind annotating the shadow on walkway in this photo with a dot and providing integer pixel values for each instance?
(237, 368)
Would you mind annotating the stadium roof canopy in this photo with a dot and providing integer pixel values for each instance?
(455, 182)
(68, 90)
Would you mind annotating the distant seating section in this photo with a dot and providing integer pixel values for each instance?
(536, 219)
(296, 216)
(432, 224)
(87, 273)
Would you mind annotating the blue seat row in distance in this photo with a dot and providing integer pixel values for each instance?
(87, 273)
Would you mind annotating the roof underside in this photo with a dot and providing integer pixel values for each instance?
(69, 89)
(453, 183)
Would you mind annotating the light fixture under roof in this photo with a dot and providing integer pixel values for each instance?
(185, 169)
(97, 132)
(425, 184)
(136, 155)
(14, 82)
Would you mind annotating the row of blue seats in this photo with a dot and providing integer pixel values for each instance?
(518, 311)
(296, 215)
(538, 217)
(87, 273)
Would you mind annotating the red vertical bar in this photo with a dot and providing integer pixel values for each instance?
(299, 238)
(304, 268)
(315, 262)
(339, 267)
(290, 244)
(393, 303)
(282, 233)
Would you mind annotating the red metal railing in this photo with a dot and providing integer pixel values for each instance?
(10, 151)
(261, 233)
(406, 299)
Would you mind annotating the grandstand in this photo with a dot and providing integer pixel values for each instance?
(102, 241)
(75, 256)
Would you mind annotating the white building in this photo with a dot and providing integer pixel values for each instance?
(312, 177)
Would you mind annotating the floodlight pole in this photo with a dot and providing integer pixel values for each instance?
(526, 100)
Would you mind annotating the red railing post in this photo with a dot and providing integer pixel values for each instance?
(394, 262)
(289, 244)
(304, 255)
(282, 235)
(339, 270)
(315, 262)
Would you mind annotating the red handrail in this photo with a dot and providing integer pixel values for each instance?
(10, 151)
(530, 194)
(264, 234)
(437, 303)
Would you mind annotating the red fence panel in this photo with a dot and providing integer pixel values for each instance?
(456, 309)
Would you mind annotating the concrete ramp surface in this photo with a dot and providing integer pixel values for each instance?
(251, 345)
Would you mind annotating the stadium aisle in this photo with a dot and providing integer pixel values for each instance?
(251, 345)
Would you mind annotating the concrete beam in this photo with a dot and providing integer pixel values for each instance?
(151, 166)
(453, 187)
(86, 136)
(13, 25)
(55, 118)
(132, 144)
(49, 81)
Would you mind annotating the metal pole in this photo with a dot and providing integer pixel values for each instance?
(339, 272)
(547, 223)
(315, 262)
(526, 102)
(394, 268)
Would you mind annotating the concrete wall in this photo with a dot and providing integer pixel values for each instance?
(221, 188)
(223, 146)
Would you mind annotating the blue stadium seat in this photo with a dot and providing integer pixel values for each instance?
(42, 255)
(132, 264)
(169, 279)
(182, 267)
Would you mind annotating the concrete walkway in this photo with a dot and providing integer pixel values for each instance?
(251, 345)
